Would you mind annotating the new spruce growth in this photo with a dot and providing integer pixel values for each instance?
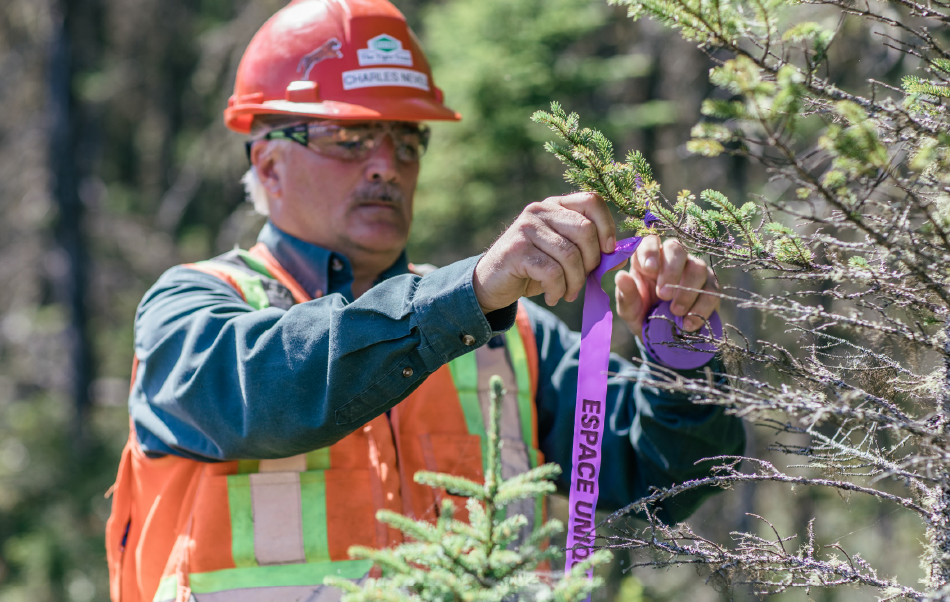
(589, 157)
(475, 561)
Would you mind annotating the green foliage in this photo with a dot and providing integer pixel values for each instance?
(630, 186)
(707, 23)
(456, 561)
(589, 157)
(915, 85)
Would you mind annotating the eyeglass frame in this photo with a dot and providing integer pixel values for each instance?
(300, 133)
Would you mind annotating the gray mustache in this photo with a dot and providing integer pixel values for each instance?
(383, 191)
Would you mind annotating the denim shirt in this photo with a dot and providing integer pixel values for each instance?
(218, 380)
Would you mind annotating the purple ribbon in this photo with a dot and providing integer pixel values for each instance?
(659, 334)
(589, 416)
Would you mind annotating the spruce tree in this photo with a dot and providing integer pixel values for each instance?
(854, 376)
(455, 561)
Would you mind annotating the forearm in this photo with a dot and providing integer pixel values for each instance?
(218, 380)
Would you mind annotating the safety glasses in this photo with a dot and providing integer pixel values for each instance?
(354, 142)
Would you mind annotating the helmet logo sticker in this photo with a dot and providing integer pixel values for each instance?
(384, 49)
(328, 50)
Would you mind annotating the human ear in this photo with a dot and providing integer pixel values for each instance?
(264, 156)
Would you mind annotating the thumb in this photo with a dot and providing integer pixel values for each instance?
(630, 305)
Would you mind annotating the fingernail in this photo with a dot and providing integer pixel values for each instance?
(611, 243)
(676, 308)
(650, 263)
(691, 323)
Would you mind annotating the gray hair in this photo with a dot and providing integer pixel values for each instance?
(254, 190)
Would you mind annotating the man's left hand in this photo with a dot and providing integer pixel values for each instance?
(654, 267)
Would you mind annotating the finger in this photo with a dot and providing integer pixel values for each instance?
(618, 266)
(566, 253)
(672, 261)
(647, 257)
(549, 276)
(694, 277)
(595, 209)
(705, 305)
(634, 299)
(573, 226)
(629, 302)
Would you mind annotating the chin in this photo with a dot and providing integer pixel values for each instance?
(380, 236)
(381, 243)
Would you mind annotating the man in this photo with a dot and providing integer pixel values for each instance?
(282, 395)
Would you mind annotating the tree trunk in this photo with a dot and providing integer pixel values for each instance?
(70, 277)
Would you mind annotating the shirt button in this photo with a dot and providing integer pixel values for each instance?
(336, 265)
(407, 372)
(468, 340)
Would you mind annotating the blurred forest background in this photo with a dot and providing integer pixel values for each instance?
(115, 165)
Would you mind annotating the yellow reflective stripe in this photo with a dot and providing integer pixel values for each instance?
(286, 575)
(313, 512)
(242, 520)
(255, 264)
(318, 459)
(277, 575)
(519, 362)
(167, 589)
(251, 286)
(464, 371)
(248, 466)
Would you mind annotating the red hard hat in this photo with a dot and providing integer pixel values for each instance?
(335, 59)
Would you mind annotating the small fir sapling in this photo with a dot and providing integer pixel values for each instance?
(454, 561)
(855, 375)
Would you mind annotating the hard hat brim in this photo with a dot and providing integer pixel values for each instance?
(239, 117)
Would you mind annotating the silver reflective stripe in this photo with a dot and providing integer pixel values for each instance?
(514, 461)
(514, 452)
(278, 527)
(303, 593)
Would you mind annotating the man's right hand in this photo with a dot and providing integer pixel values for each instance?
(550, 249)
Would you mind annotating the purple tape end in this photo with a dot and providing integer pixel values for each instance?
(662, 327)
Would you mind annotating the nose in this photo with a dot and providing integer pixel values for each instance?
(382, 164)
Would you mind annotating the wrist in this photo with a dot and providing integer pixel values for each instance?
(481, 295)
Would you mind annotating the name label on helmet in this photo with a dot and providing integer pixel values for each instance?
(372, 78)
(384, 50)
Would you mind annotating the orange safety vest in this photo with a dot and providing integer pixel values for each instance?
(273, 529)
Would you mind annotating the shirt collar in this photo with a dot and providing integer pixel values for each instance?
(319, 271)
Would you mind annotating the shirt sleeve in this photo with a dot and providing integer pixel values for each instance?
(652, 438)
(218, 380)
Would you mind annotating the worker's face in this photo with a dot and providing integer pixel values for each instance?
(360, 207)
